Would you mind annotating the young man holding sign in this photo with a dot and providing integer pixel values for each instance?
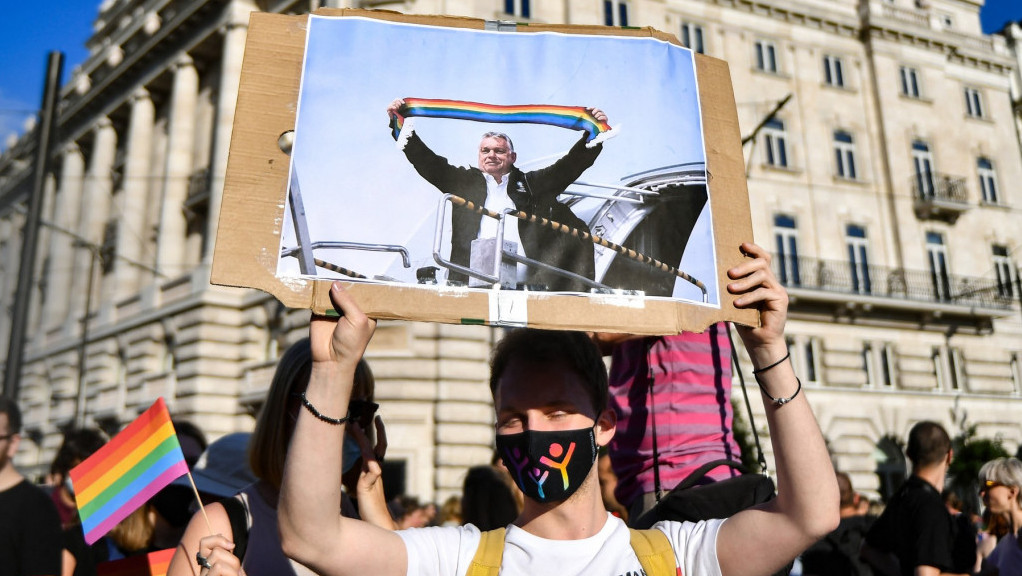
(551, 416)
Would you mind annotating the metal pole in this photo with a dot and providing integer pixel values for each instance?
(84, 343)
(30, 235)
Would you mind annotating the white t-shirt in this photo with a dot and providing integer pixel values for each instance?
(449, 551)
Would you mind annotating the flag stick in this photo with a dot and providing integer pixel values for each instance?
(199, 500)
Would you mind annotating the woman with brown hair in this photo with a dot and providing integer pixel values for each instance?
(267, 451)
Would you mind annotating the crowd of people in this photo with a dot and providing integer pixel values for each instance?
(580, 455)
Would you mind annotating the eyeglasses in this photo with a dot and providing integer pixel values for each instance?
(988, 485)
(362, 412)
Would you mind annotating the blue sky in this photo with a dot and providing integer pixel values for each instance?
(28, 32)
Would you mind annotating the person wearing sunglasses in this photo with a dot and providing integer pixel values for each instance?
(206, 548)
(1000, 486)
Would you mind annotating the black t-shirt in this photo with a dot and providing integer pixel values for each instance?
(30, 539)
(837, 554)
(917, 528)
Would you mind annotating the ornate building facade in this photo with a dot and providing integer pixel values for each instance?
(883, 171)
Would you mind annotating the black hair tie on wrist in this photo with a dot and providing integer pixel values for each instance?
(774, 365)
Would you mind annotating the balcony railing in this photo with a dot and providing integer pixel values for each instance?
(912, 16)
(939, 195)
(892, 283)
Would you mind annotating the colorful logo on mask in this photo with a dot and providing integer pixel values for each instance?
(532, 456)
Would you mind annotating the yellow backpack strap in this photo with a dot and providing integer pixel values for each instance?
(654, 552)
(486, 562)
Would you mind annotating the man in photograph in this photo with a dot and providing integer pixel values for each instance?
(497, 184)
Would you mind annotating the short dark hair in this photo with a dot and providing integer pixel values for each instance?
(10, 407)
(534, 346)
(78, 445)
(928, 443)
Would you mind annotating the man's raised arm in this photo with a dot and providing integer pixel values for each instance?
(312, 531)
(760, 540)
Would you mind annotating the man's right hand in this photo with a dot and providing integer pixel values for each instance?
(394, 106)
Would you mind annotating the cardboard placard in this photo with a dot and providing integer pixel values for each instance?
(661, 210)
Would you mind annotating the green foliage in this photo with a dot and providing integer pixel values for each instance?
(970, 455)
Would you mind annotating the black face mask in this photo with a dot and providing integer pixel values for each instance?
(548, 466)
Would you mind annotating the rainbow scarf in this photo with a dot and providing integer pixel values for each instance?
(570, 117)
(122, 475)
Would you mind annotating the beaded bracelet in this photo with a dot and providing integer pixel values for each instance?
(335, 421)
(781, 401)
(774, 365)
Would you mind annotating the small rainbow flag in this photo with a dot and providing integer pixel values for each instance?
(130, 469)
(151, 564)
(571, 117)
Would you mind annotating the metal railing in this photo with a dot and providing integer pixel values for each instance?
(883, 282)
(938, 187)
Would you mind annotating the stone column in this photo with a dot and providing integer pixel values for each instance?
(95, 208)
(66, 213)
(131, 235)
(234, 32)
(170, 243)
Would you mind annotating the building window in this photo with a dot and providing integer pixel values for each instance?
(887, 366)
(936, 255)
(766, 56)
(786, 239)
(805, 354)
(878, 363)
(947, 21)
(910, 82)
(987, 180)
(615, 12)
(844, 151)
(973, 103)
(1003, 269)
(858, 258)
(1016, 373)
(810, 353)
(692, 37)
(868, 364)
(775, 143)
(938, 367)
(518, 8)
(957, 371)
(833, 73)
(922, 161)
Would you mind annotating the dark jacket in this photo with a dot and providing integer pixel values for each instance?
(533, 192)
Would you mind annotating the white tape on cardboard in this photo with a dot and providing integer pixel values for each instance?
(509, 308)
